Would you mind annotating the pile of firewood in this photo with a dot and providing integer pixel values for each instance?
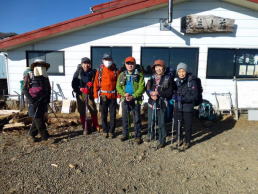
(20, 120)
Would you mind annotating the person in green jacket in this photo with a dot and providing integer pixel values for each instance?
(131, 86)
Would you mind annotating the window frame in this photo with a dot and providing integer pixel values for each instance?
(169, 56)
(235, 66)
(47, 51)
(109, 47)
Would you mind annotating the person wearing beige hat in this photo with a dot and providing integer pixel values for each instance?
(37, 90)
(159, 89)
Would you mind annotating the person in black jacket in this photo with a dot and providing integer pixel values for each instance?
(185, 97)
(159, 89)
(82, 85)
(37, 90)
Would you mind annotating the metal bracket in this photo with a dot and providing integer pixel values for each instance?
(164, 24)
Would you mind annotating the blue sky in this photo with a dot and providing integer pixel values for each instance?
(22, 16)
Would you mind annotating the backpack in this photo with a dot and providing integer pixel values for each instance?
(100, 70)
(124, 75)
(199, 89)
(206, 111)
(171, 72)
(165, 82)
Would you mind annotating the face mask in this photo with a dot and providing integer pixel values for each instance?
(107, 63)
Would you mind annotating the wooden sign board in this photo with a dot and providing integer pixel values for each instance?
(194, 24)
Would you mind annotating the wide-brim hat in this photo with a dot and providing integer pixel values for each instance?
(159, 62)
(39, 63)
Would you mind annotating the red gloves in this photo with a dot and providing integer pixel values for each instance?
(89, 84)
(84, 90)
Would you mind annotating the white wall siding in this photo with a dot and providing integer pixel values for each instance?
(144, 30)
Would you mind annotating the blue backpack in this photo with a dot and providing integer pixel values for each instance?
(206, 111)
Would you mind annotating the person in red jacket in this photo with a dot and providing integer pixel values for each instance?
(105, 93)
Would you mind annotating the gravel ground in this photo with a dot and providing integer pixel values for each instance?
(222, 159)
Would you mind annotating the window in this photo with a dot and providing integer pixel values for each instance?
(220, 63)
(54, 58)
(118, 54)
(172, 56)
(227, 63)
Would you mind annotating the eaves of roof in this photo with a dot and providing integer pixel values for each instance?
(101, 13)
(123, 10)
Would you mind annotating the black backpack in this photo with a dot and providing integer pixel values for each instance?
(199, 88)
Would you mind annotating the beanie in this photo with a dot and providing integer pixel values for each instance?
(86, 60)
(181, 66)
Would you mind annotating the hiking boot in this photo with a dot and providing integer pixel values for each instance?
(106, 135)
(33, 139)
(174, 145)
(86, 132)
(148, 139)
(113, 135)
(185, 146)
(44, 135)
(138, 140)
(124, 138)
(161, 145)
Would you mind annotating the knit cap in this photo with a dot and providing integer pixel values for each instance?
(182, 66)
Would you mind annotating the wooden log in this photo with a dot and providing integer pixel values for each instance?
(13, 126)
(194, 24)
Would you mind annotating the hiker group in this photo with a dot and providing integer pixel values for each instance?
(109, 86)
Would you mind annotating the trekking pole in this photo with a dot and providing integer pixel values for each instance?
(152, 119)
(155, 120)
(85, 130)
(178, 133)
(54, 113)
(172, 130)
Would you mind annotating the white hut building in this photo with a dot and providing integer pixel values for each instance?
(216, 49)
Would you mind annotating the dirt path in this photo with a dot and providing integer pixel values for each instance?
(223, 159)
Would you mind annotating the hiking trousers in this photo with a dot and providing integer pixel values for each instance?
(135, 108)
(186, 120)
(160, 119)
(108, 105)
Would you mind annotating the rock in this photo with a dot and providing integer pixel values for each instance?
(54, 165)
(78, 171)
(38, 186)
(99, 160)
(73, 165)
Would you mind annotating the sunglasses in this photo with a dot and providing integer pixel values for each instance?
(130, 63)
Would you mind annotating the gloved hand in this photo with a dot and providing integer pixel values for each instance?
(96, 100)
(118, 100)
(84, 90)
(172, 101)
(89, 84)
(177, 98)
